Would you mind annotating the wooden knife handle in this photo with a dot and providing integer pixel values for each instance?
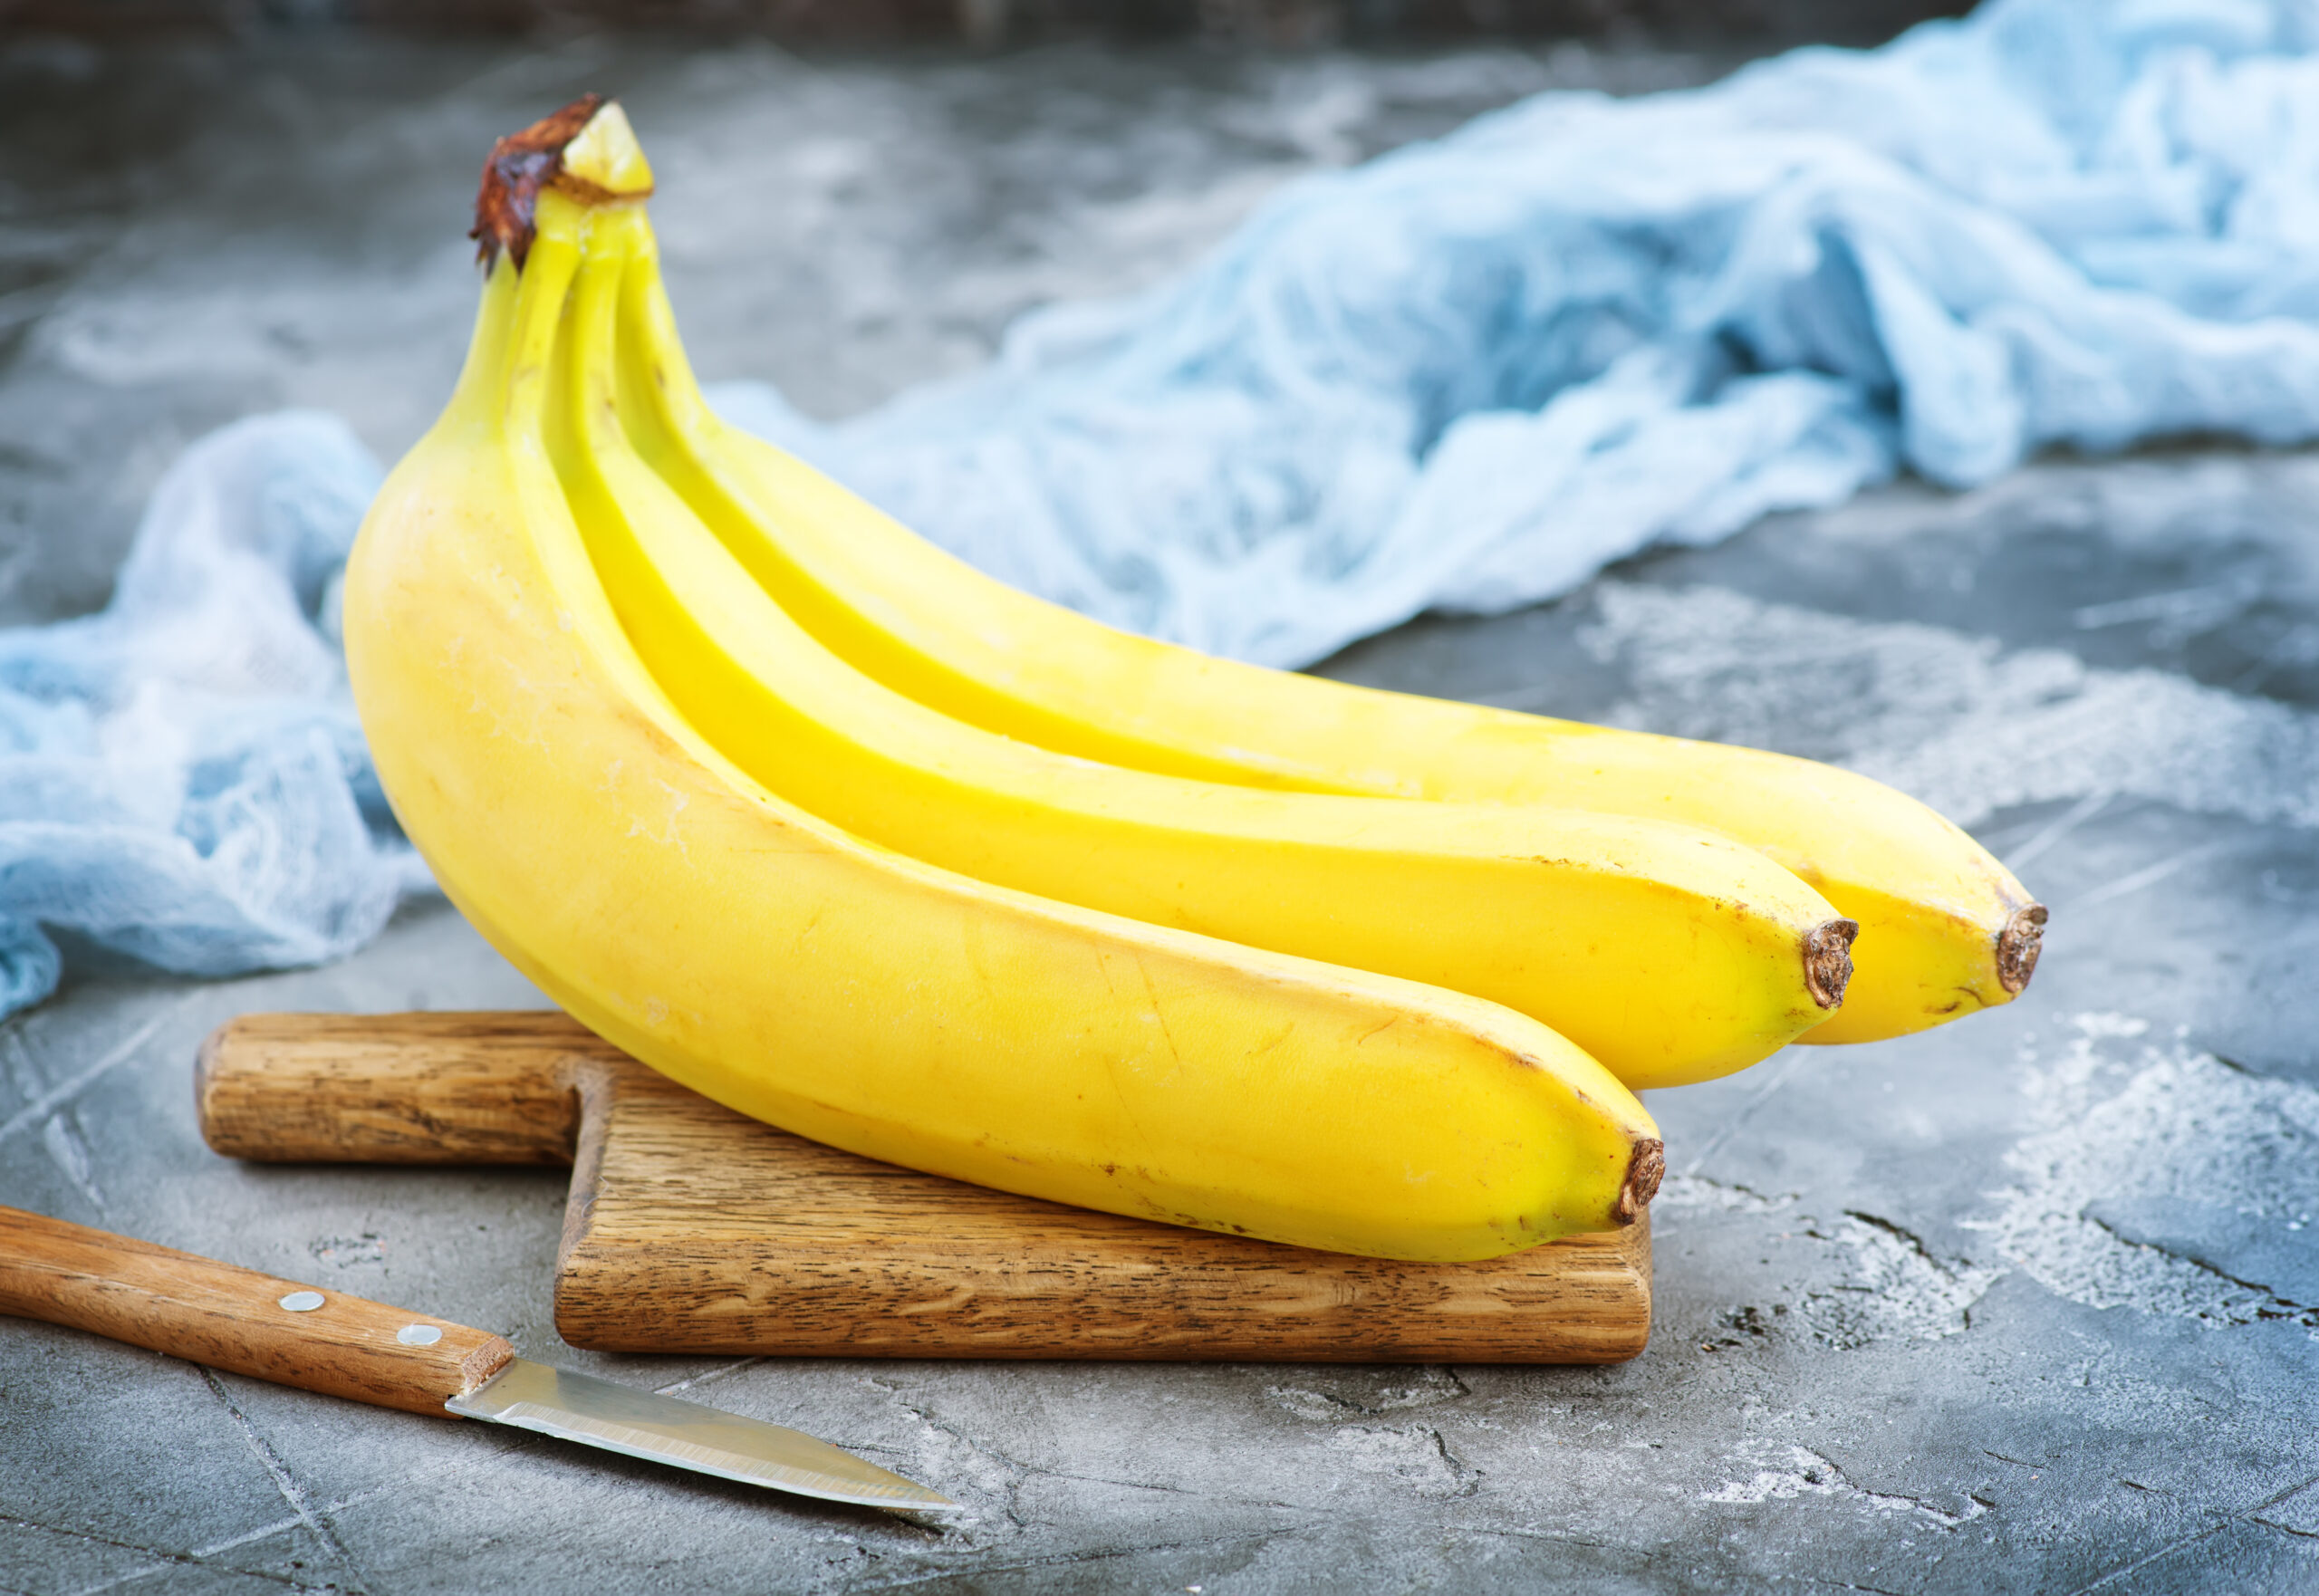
(255, 1324)
(396, 1089)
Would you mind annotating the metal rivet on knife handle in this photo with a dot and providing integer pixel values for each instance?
(234, 1319)
(418, 1336)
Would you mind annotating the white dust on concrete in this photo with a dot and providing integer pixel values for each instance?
(2116, 1119)
(1694, 1193)
(1417, 1456)
(1888, 1285)
(1953, 719)
(1782, 1471)
(1896, 1288)
(1332, 1397)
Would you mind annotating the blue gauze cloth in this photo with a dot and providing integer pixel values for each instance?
(1471, 373)
(1466, 376)
(182, 779)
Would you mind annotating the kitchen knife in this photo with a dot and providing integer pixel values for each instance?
(277, 1330)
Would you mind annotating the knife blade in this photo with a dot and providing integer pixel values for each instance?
(293, 1334)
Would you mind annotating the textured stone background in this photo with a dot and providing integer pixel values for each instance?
(2024, 1305)
(990, 22)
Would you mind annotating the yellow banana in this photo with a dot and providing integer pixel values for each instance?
(861, 997)
(1945, 930)
(1669, 954)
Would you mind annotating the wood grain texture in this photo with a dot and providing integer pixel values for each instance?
(693, 1229)
(404, 1089)
(228, 1318)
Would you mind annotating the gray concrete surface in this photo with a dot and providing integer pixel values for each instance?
(2026, 1304)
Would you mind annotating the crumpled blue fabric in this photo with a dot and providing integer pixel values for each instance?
(182, 778)
(1466, 376)
(1471, 373)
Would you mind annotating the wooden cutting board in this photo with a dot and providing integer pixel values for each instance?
(693, 1229)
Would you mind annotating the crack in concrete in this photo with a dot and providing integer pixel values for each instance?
(1097, 1479)
(67, 1146)
(1102, 1554)
(1773, 1076)
(1506, 1533)
(1903, 1290)
(701, 1379)
(66, 1090)
(1691, 1193)
(2174, 1136)
(2243, 1515)
(1019, 1471)
(1013, 1473)
(2077, 815)
(1900, 1232)
(1431, 1384)
(2279, 1309)
(1784, 1471)
(165, 1558)
(2149, 876)
(285, 1482)
(174, 1562)
(1466, 1472)
(1417, 1455)
(199, 1558)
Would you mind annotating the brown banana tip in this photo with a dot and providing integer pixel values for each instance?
(506, 203)
(2017, 947)
(1646, 1167)
(1827, 961)
(520, 165)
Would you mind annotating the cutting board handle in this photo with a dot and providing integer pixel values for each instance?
(397, 1089)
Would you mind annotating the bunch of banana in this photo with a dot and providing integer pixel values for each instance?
(819, 822)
